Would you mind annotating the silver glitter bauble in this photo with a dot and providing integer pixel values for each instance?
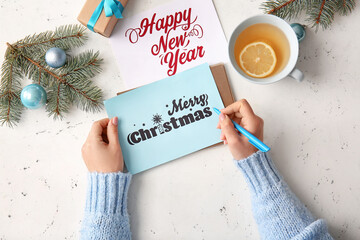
(55, 57)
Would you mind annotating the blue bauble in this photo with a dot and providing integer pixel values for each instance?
(299, 31)
(55, 57)
(33, 96)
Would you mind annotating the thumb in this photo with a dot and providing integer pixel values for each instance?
(228, 129)
(112, 131)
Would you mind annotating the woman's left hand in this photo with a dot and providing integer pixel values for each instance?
(101, 151)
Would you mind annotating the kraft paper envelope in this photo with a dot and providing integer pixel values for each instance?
(222, 83)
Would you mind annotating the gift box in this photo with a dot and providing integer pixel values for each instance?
(101, 16)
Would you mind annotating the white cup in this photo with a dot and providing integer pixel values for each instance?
(289, 69)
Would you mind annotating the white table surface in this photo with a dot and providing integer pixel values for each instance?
(313, 128)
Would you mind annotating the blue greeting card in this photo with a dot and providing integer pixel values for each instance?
(167, 119)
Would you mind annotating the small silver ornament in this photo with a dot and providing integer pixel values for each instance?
(55, 57)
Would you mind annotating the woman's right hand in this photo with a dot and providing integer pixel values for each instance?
(242, 113)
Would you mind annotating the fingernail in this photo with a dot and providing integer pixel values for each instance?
(221, 116)
(114, 121)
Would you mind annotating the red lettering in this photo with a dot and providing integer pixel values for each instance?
(169, 21)
(169, 47)
(180, 40)
(188, 19)
(145, 25)
(172, 59)
(178, 19)
(201, 51)
(159, 24)
(182, 58)
(173, 43)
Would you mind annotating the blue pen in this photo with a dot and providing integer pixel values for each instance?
(252, 139)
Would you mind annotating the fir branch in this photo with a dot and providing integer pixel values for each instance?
(321, 13)
(344, 7)
(286, 9)
(10, 77)
(10, 109)
(76, 35)
(36, 66)
(10, 89)
(86, 65)
(39, 76)
(66, 85)
(62, 80)
(64, 37)
(58, 101)
(83, 102)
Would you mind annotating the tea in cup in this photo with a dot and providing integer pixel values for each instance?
(264, 49)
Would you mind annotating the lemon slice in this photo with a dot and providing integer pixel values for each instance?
(258, 59)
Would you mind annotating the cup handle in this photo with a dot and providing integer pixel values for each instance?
(297, 75)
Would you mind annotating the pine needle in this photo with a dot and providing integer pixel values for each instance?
(283, 8)
(344, 7)
(321, 13)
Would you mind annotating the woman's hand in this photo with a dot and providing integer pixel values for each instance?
(242, 113)
(101, 151)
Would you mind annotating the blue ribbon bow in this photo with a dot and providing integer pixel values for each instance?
(111, 7)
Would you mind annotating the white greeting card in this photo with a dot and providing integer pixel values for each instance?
(168, 39)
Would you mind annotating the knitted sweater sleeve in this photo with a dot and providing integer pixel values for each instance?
(277, 211)
(106, 215)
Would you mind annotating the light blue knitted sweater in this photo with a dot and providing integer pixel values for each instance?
(277, 211)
